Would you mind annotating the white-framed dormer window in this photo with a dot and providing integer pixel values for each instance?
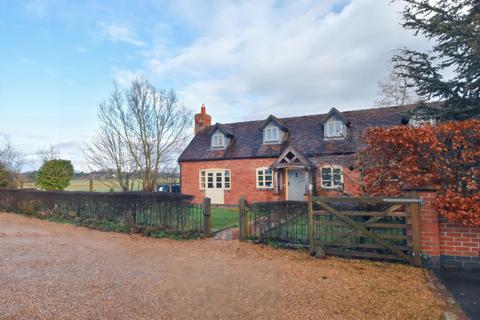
(335, 128)
(418, 121)
(332, 177)
(218, 140)
(264, 178)
(271, 134)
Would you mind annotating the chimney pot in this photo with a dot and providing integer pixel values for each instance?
(202, 120)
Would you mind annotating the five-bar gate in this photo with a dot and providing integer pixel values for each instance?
(369, 227)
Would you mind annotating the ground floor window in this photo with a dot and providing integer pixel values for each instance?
(332, 177)
(215, 179)
(264, 178)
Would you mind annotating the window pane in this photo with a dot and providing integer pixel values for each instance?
(260, 183)
(227, 185)
(210, 185)
(219, 185)
(227, 173)
(268, 184)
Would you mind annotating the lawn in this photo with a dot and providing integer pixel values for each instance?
(224, 218)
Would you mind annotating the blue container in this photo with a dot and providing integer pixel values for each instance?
(176, 188)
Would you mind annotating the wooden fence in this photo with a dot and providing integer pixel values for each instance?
(368, 227)
(155, 210)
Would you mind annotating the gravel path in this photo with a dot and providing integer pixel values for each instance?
(57, 271)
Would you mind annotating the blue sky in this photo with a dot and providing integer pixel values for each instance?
(243, 59)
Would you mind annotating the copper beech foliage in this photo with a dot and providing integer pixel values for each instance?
(446, 154)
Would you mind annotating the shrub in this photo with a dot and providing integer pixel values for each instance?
(7, 179)
(447, 154)
(54, 175)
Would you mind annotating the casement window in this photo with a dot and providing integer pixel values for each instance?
(271, 134)
(218, 141)
(215, 179)
(335, 129)
(264, 178)
(332, 177)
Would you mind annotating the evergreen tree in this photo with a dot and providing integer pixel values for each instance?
(55, 175)
(450, 71)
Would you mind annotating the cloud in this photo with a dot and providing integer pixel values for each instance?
(125, 77)
(117, 31)
(253, 58)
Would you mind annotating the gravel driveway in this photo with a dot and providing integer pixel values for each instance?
(58, 271)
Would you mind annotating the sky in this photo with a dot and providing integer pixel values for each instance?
(243, 59)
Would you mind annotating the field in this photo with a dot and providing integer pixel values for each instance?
(99, 185)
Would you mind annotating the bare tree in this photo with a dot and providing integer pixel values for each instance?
(49, 153)
(396, 89)
(13, 159)
(142, 130)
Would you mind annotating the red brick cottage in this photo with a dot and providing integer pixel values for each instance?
(279, 159)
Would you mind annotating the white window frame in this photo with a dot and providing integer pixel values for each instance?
(331, 184)
(261, 183)
(333, 127)
(271, 134)
(218, 140)
(418, 121)
(226, 178)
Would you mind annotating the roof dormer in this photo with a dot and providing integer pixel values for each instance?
(422, 114)
(335, 125)
(274, 130)
(220, 136)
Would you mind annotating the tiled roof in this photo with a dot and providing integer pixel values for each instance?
(305, 135)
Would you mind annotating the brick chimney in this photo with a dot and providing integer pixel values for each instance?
(202, 120)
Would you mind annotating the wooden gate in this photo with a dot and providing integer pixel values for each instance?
(369, 227)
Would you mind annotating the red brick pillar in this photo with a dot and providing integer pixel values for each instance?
(429, 226)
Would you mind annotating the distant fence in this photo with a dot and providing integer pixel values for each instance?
(163, 211)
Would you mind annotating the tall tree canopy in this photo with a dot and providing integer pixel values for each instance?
(142, 130)
(450, 71)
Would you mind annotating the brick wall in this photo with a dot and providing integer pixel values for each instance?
(243, 178)
(444, 243)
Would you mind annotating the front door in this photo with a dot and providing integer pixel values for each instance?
(297, 185)
(214, 188)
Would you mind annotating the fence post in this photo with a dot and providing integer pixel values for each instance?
(416, 237)
(207, 216)
(91, 185)
(310, 222)
(243, 219)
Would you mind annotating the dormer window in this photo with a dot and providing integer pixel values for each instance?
(335, 125)
(218, 141)
(271, 134)
(335, 128)
(420, 121)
